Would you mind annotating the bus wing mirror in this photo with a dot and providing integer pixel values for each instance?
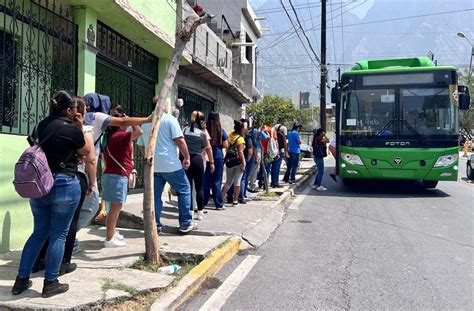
(336, 95)
(464, 97)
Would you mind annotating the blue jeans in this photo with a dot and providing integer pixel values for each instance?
(244, 182)
(319, 175)
(276, 165)
(294, 161)
(180, 184)
(52, 216)
(214, 181)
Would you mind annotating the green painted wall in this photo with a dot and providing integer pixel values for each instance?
(162, 13)
(86, 65)
(16, 221)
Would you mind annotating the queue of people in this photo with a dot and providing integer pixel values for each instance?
(79, 129)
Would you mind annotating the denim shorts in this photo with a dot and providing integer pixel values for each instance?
(114, 188)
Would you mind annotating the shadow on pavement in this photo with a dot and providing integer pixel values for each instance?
(376, 188)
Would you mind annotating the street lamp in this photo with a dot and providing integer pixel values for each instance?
(463, 35)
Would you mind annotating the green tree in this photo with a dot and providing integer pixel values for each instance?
(274, 109)
(466, 117)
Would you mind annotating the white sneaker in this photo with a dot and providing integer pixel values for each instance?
(321, 188)
(114, 243)
(200, 215)
(118, 236)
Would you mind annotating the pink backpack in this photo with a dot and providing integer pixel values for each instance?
(33, 177)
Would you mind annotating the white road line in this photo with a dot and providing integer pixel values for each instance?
(299, 198)
(220, 296)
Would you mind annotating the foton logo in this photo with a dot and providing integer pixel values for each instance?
(397, 144)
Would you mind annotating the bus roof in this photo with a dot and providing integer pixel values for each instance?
(396, 65)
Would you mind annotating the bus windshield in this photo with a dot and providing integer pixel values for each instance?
(420, 113)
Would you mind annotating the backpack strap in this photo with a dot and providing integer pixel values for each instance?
(115, 160)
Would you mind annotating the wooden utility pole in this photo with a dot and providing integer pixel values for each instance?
(183, 35)
(322, 87)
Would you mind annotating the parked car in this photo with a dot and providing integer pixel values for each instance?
(306, 150)
(469, 167)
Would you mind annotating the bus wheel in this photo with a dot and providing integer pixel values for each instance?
(430, 184)
(469, 170)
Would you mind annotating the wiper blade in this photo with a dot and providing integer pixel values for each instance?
(417, 134)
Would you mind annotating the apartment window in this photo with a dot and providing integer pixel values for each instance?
(248, 49)
(207, 43)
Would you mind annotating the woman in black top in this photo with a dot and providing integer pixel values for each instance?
(53, 213)
(196, 140)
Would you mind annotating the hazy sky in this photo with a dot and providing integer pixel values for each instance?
(360, 11)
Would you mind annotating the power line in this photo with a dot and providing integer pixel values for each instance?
(296, 31)
(291, 35)
(342, 35)
(333, 37)
(312, 24)
(304, 33)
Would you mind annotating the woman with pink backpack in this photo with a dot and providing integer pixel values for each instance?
(61, 139)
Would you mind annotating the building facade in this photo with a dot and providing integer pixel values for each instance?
(116, 47)
(121, 48)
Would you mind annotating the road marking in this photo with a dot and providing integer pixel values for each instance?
(299, 198)
(220, 296)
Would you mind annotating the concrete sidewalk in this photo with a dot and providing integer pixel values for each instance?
(104, 275)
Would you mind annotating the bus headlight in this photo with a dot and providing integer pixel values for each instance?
(446, 160)
(351, 158)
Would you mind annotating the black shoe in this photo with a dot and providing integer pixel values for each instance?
(333, 177)
(229, 201)
(241, 201)
(252, 190)
(276, 186)
(52, 288)
(235, 203)
(67, 267)
(21, 284)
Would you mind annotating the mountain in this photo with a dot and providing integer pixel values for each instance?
(285, 67)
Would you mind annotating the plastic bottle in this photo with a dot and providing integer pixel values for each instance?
(169, 269)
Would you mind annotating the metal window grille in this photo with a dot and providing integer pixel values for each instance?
(38, 52)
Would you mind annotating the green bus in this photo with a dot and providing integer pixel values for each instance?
(398, 119)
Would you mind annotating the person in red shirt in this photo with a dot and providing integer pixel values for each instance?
(119, 164)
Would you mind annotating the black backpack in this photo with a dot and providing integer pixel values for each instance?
(281, 138)
(231, 158)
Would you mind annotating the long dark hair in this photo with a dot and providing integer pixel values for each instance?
(317, 133)
(214, 128)
(61, 101)
(238, 126)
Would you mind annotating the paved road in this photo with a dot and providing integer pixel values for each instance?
(383, 245)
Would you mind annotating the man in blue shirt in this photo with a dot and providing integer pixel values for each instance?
(257, 134)
(168, 168)
(294, 142)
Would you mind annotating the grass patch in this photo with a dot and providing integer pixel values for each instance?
(143, 301)
(185, 264)
(112, 284)
(269, 194)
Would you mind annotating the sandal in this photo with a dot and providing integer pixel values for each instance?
(101, 216)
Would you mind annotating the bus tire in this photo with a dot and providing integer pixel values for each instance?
(469, 171)
(430, 184)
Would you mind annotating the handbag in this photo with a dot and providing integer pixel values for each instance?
(132, 178)
(320, 151)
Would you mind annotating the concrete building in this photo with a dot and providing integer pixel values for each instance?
(121, 48)
(207, 82)
(237, 24)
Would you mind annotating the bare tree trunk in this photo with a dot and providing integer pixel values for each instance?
(182, 37)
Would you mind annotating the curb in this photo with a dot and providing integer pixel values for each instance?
(300, 185)
(188, 285)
